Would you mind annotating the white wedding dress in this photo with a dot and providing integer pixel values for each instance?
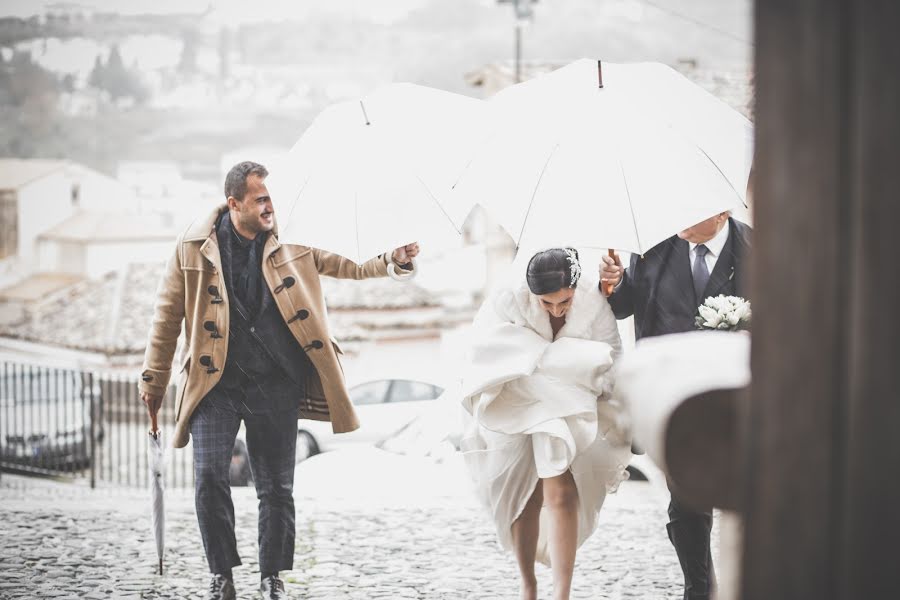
(540, 406)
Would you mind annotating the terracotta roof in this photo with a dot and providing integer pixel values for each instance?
(95, 226)
(37, 286)
(112, 314)
(16, 172)
(375, 294)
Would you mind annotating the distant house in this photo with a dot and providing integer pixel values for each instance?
(162, 189)
(61, 222)
(38, 195)
(93, 243)
(149, 178)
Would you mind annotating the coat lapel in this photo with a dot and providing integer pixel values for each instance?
(670, 262)
(210, 249)
(680, 262)
(271, 246)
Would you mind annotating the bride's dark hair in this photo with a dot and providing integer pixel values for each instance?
(552, 270)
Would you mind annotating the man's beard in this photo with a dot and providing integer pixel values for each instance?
(254, 224)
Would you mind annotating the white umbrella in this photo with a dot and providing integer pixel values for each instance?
(374, 174)
(157, 489)
(611, 156)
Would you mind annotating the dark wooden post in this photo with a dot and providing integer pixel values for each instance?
(821, 493)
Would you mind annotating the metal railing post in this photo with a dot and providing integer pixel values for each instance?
(93, 432)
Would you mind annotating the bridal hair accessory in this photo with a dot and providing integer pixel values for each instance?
(574, 266)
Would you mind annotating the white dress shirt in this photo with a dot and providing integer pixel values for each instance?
(715, 247)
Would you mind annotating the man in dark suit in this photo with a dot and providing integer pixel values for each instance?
(663, 289)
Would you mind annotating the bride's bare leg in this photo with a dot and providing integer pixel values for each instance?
(525, 531)
(561, 496)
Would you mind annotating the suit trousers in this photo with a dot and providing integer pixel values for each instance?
(689, 531)
(271, 445)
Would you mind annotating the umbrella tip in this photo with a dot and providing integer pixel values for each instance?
(365, 115)
(600, 73)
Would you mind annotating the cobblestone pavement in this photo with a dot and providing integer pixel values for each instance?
(67, 541)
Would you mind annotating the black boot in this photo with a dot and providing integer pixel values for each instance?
(272, 588)
(220, 588)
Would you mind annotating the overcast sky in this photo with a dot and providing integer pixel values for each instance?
(232, 10)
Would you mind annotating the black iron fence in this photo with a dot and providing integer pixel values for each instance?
(80, 424)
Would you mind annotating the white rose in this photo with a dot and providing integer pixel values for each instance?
(711, 317)
(724, 304)
(742, 312)
(732, 318)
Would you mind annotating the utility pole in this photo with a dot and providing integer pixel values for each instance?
(524, 13)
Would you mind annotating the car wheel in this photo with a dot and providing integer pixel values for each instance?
(306, 446)
(239, 470)
(635, 474)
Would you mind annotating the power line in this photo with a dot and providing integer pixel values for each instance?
(698, 22)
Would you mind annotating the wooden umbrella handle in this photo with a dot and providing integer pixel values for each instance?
(154, 425)
(609, 286)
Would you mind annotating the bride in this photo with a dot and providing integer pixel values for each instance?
(544, 445)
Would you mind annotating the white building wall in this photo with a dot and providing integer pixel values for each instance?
(61, 257)
(99, 192)
(43, 203)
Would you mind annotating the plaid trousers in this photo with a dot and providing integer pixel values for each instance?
(271, 444)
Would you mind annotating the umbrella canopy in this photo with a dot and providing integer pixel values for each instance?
(157, 490)
(608, 156)
(374, 174)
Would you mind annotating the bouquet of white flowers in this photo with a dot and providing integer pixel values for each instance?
(724, 313)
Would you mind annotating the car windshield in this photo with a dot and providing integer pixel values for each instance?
(370, 393)
(393, 391)
(409, 391)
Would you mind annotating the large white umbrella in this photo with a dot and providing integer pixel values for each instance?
(155, 456)
(608, 156)
(374, 174)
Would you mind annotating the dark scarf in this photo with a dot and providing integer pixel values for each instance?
(242, 263)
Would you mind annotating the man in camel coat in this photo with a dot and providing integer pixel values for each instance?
(257, 349)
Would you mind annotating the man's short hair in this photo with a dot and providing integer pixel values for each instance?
(236, 180)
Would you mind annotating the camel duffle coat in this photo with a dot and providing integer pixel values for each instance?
(193, 291)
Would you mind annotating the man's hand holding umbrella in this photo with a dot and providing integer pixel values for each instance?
(404, 255)
(611, 272)
(153, 402)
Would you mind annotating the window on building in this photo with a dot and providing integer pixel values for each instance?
(9, 224)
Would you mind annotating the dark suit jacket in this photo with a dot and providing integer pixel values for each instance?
(658, 288)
